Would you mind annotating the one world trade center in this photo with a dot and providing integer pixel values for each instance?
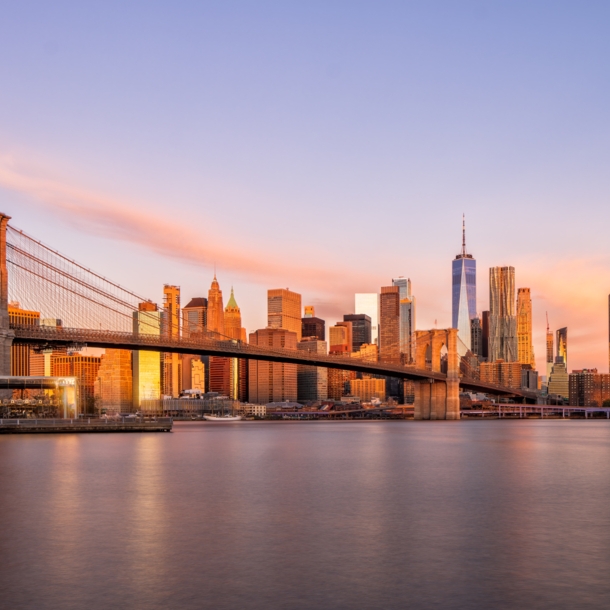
(464, 301)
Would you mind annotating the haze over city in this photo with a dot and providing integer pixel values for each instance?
(325, 148)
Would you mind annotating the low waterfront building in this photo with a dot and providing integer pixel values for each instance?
(588, 388)
(367, 389)
(252, 410)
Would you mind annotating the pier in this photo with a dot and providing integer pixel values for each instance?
(84, 424)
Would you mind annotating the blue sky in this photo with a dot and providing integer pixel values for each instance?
(324, 146)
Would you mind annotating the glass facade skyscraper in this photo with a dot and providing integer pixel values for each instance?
(562, 345)
(368, 303)
(464, 295)
(407, 317)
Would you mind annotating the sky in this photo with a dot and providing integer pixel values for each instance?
(325, 146)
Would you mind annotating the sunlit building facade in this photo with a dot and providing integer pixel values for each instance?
(367, 389)
(389, 325)
(215, 319)
(193, 373)
(194, 317)
(146, 365)
(588, 388)
(338, 383)
(407, 317)
(85, 369)
(238, 368)
(525, 348)
(21, 355)
(272, 381)
(502, 319)
(507, 374)
(172, 363)
(284, 310)
(113, 387)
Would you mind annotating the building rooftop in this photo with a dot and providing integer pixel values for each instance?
(197, 302)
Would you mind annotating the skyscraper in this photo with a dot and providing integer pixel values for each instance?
(340, 338)
(215, 312)
(114, 384)
(21, 354)
(238, 371)
(525, 350)
(485, 335)
(146, 365)
(194, 317)
(407, 317)
(389, 324)
(284, 310)
(219, 368)
(313, 327)
(562, 345)
(85, 368)
(312, 381)
(361, 329)
(272, 381)
(232, 320)
(464, 294)
(502, 319)
(476, 337)
(549, 349)
(172, 363)
(368, 303)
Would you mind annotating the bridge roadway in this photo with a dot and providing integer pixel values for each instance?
(50, 336)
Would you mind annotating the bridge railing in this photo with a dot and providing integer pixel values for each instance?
(231, 348)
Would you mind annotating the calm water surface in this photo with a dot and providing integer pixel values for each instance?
(309, 515)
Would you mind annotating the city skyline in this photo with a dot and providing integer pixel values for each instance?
(414, 115)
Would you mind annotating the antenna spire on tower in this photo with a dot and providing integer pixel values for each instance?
(463, 234)
(547, 323)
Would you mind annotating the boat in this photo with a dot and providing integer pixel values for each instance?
(222, 417)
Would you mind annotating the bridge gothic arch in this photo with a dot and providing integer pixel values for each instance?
(436, 399)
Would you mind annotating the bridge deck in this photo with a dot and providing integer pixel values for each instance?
(59, 336)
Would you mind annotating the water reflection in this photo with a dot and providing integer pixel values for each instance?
(333, 515)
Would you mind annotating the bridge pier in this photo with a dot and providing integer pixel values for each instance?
(436, 399)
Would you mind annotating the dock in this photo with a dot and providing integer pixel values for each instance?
(84, 424)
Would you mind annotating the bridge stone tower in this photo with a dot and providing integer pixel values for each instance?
(6, 334)
(436, 399)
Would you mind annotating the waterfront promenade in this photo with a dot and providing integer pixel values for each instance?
(83, 424)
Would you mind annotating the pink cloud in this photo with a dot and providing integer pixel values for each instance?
(137, 224)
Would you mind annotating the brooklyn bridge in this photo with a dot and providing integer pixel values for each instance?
(97, 312)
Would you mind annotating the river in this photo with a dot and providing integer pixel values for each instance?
(303, 515)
